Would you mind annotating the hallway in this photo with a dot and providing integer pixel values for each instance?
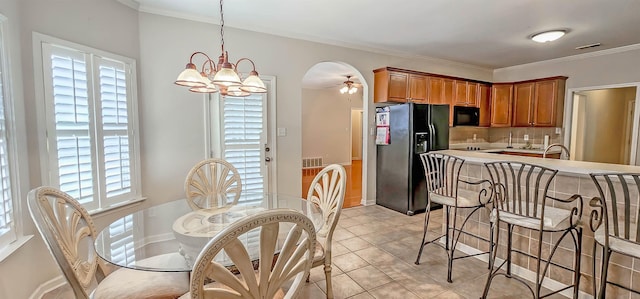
(353, 192)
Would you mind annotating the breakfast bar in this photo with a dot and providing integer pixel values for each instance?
(572, 178)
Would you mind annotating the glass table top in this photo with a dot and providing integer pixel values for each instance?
(168, 237)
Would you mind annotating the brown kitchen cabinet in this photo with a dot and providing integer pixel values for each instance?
(501, 104)
(466, 93)
(539, 103)
(418, 87)
(390, 86)
(484, 103)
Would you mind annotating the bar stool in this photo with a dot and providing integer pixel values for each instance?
(616, 208)
(442, 177)
(520, 199)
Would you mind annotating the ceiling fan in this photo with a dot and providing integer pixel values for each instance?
(349, 86)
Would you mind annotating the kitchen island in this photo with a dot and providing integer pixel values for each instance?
(572, 178)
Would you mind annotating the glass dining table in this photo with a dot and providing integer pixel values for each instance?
(168, 237)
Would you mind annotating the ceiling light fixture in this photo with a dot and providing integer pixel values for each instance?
(223, 76)
(348, 87)
(548, 36)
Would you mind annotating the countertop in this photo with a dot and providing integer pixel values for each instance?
(564, 166)
(502, 147)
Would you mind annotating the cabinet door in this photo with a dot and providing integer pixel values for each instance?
(397, 87)
(522, 104)
(545, 102)
(435, 95)
(417, 88)
(484, 103)
(501, 105)
(472, 94)
(460, 95)
(448, 90)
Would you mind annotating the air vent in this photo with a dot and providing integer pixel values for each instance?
(588, 46)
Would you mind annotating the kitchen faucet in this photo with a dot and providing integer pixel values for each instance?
(544, 154)
(510, 145)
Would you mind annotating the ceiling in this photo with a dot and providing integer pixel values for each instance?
(490, 34)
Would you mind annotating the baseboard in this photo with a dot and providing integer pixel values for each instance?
(48, 286)
(524, 273)
(365, 202)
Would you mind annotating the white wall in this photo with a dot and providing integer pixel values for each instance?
(326, 124)
(173, 119)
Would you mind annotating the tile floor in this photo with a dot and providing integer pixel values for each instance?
(373, 256)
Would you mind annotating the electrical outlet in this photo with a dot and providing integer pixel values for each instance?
(526, 137)
(474, 137)
(558, 130)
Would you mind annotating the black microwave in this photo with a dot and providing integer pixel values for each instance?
(466, 116)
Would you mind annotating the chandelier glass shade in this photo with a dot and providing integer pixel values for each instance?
(349, 87)
(222, 77)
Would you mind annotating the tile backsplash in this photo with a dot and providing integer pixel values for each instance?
(501, 135)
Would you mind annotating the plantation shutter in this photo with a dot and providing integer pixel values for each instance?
(115, 128)
(243, 127)
(7, 232)
(72, 130)
(89, 106)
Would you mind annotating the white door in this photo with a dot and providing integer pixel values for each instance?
(241, 135)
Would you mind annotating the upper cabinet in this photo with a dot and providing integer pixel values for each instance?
(466, 93)
(539, 103)
(418, 87)
(501, 104)
(390, 86)
(484, 103)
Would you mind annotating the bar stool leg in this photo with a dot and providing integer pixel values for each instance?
(427, 213)
(509, 244)
(606, 255)
(454, 241)
(578, 257)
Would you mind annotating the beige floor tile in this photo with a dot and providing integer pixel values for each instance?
(392, 290)
(317, 273)
(377, 256)
(343, 286)
(338, 249)
(311, 291)
(355, 243)
(369, 277)
(348, 262)
(342, 234)
(450, 295)
(364, 295)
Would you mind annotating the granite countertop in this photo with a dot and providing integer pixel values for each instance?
(502, 147)
(564, 166)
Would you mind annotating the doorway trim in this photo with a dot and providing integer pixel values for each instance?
(568, 115)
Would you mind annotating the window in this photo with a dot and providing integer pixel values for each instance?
(8, 186)
(89, 99)
(243, 137)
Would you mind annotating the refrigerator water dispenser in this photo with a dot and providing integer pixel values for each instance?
(422, 145)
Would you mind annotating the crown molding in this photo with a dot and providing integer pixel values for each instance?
(573, 57)
(131, 3)
(310, 38)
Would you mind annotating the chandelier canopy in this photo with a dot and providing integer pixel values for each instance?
(222, 77)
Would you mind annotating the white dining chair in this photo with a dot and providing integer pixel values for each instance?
(212, 183)
(326, 193)
(280, 273)
(69, 233)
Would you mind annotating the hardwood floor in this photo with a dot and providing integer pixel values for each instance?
(353, 194)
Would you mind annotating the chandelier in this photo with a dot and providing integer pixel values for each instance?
(348, 87)
(222, 77)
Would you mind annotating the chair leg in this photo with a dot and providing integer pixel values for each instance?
(452, 248)
(509, 239)
(492, 258)
(327, 273)
(491, 244)
(424, 234)
(446, 234)
(593, 272)
(606, 255)
(578, 257)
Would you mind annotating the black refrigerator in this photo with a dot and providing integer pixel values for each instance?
(413, 129)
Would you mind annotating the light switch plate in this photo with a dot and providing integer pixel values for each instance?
(526, 137)
(282, 132)
(558, 130)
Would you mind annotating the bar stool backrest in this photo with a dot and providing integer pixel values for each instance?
(442, 173)
(619, 205)
(520, 188)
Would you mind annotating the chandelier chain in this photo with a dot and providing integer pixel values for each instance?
(221, 27)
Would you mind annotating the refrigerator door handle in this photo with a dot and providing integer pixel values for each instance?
(432, 129)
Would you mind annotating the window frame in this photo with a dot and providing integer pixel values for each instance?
(48, 158)
(14, 234)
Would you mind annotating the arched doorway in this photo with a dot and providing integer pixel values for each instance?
(333, 125)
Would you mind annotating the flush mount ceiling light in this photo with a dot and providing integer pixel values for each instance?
(348, 86)
(223, 76)
(548, 36)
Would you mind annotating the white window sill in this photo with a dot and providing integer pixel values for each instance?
(115, 207)
(13, 247)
